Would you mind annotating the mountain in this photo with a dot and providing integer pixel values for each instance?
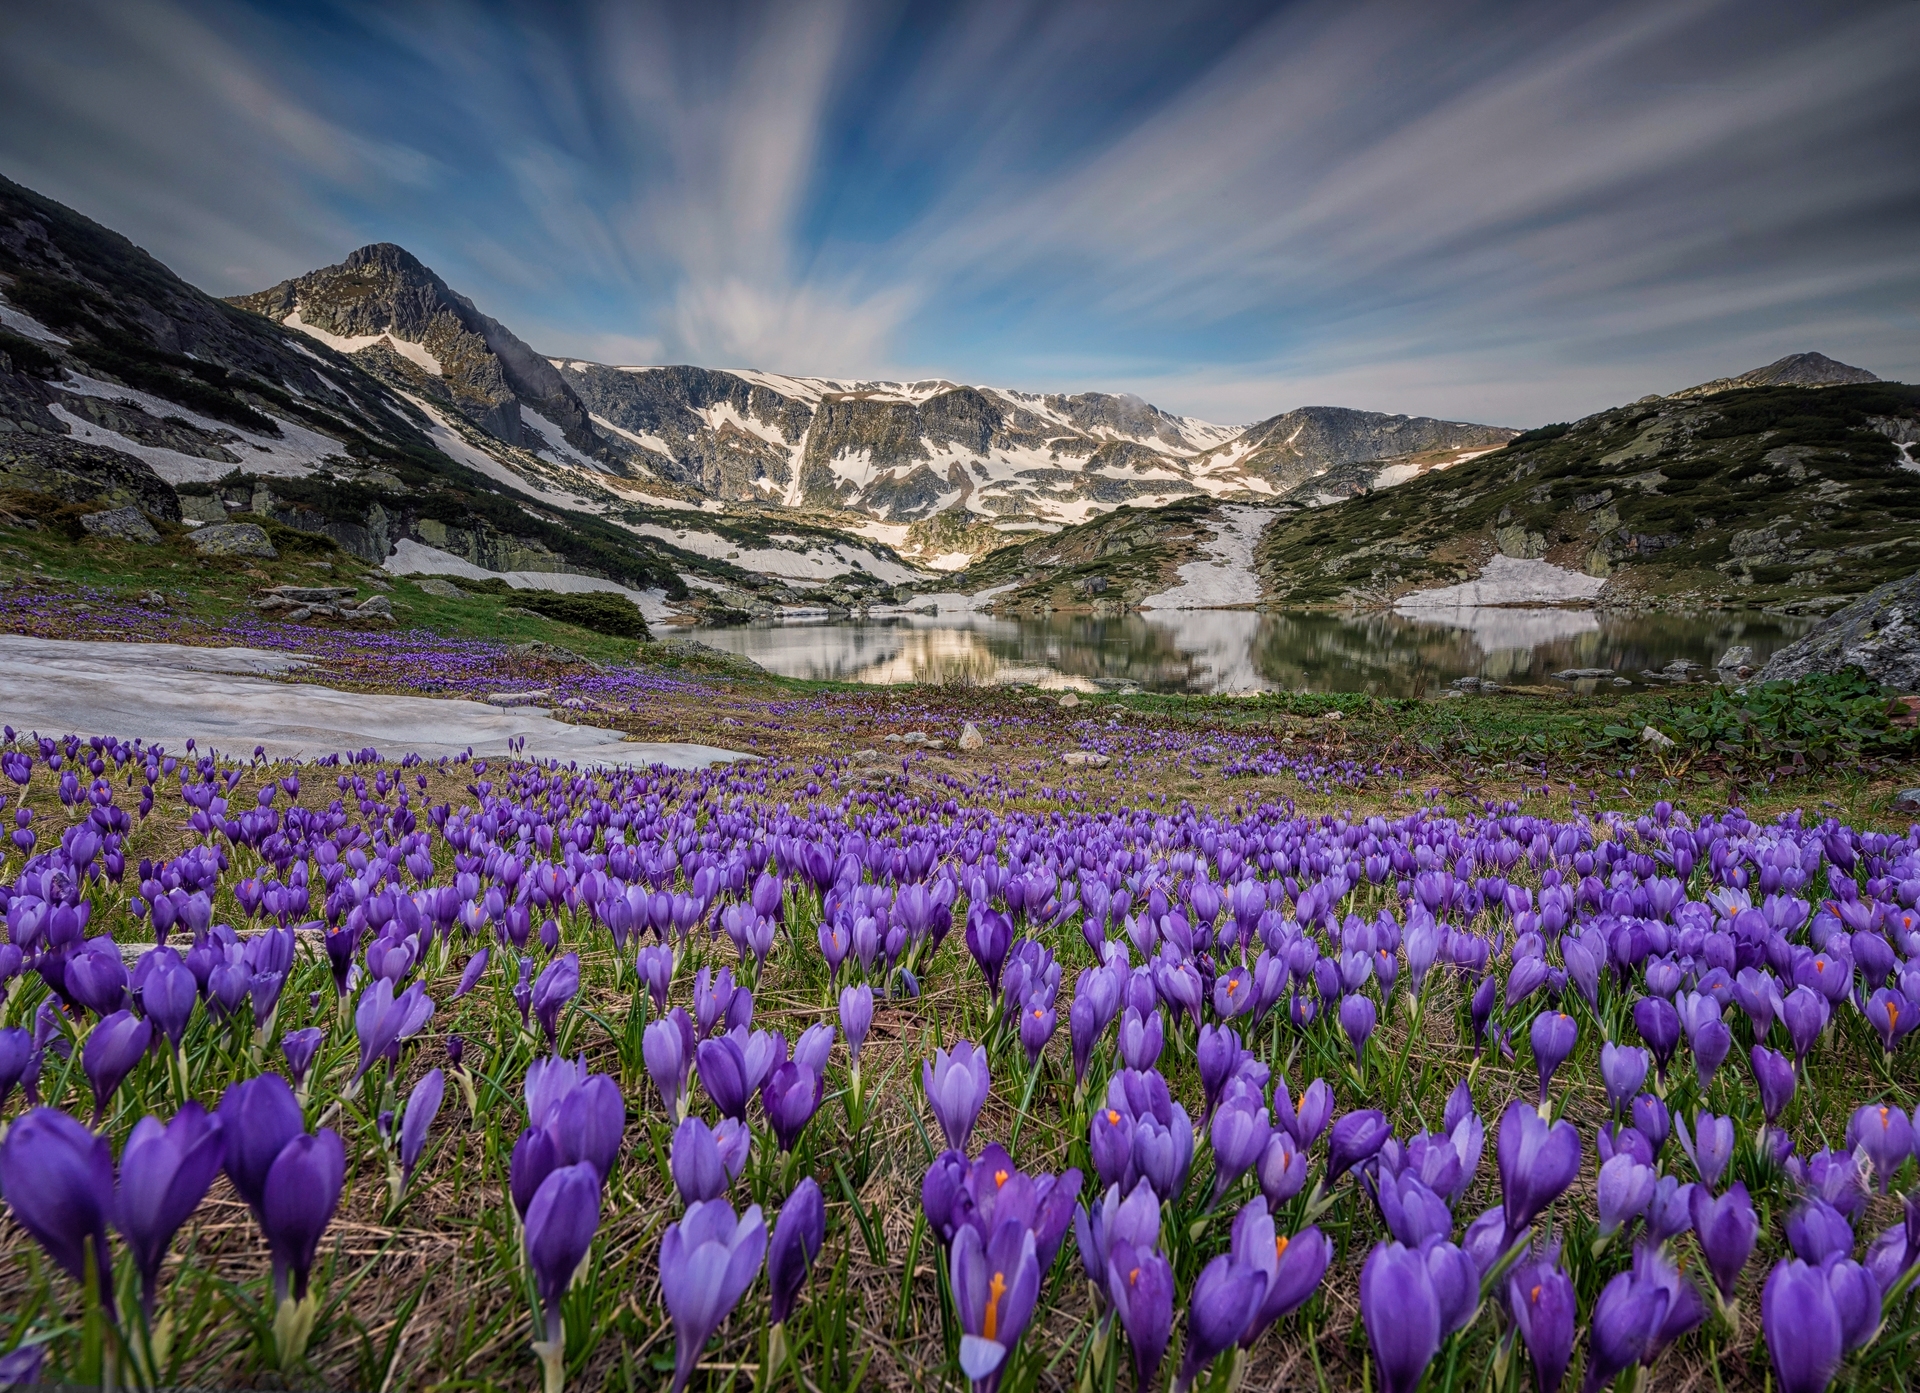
(418, 335)
(1769, 495)
(120, 382)
(856, 454)
(1794, 370)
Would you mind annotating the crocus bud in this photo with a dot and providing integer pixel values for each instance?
(797, 1236)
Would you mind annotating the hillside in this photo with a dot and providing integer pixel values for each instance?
(119, 381)
(1772, 495)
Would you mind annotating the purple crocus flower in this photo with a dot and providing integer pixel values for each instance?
(557, 985)
(422, 1104)
(1537, 1163)
(560, 1222)
(1307, 1117)
(1402, 1314)
(1709, 1146)
(797, 1236)
(1541, 1297)
(1776, 1078)
(790, 1097)
(167, 993)
(1097, 1227)
(1291, 1265)
(297, 1202)
(58, 1181)
(1357, 1019)
(1884, 1135)
(1624, 1190)
(1553, 1036)
(856, 1017)
(164, 1174)
(1805, 1011)
(1626, 1321)
(1225, 1298)
(1037, 1022)
(113, 1047)
(707, 1262)
(1142, 1037)
(723, 1074)
(16, 1053)
(96, 977)
(299, 1047)
(995, 1285)
(382, 1020)
(1651, 1120)
(1623, 1068)
(471, 974)
(1239, 1135)
(956, 1083)
(1802, 1326)
(1659, 1025)
(694, 1160)
(1282, 1169)
(668, 1049)
(814, 1048)
(259, 1117)
(1357, 1138)
(1726, 1228)
(1139, 1283)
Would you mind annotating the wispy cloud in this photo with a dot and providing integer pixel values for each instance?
(1457, 207)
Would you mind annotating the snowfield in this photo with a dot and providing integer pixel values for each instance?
(1223, 576)
(1507, 580)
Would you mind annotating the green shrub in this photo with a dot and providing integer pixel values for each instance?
(28, 356)
(602, 611)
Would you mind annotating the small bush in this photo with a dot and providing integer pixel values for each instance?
(28, 356)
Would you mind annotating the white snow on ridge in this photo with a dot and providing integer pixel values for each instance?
(18, 321)
(411, 558)
(413, 352)
(556, 447)
(297, 450)
(453, 444)
(1508, 580)
(817, 562)
(1223, 575)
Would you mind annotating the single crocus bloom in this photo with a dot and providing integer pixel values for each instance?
(956, 1083)
(422, 1104)
(1802, 1327)
(1726, 1228)
(58, 1181)
(797, 1236)
(297, 1203)
(1553, 1036)
(113, 1047)
(1139, 1283)
(707, 1262)
(1537, 1162)
(1401, 1313)
(164, 1174)
(1540, 1295)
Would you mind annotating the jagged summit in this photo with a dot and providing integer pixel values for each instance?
(416, 332)
(1794, 370)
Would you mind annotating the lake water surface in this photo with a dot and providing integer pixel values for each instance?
(1241, 651)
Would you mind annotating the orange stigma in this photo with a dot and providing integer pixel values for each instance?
(990, 1326)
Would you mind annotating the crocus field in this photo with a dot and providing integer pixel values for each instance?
(376, 1073)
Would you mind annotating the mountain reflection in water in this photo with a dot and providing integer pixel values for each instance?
(1241, 651)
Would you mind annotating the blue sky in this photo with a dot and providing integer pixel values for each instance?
(1512, 213)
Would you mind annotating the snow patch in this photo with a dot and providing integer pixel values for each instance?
(343, 343)
(1507, 580)
(222, 698)
(21, 323)
(810, 561)
(1224, 574)
(296, 452)
(411, 558)
(456, 446)
(556, 447)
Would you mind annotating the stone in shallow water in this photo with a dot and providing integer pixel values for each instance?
(1582, 674)
(233, 539)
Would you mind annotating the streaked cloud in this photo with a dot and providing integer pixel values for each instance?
(1458, 208)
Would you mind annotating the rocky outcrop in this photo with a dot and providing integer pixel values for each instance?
(484, 371)
(1878, 633)
(1289, 450)
(1794, 370)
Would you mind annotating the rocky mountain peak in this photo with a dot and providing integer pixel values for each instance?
(1794, 370)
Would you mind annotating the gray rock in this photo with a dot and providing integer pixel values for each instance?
(543, 652)
(1086, 757)
(373, 605)
(1650, 736)
(1582, 674)
(519, 698)
(971, 738)
(1878, 633)
(438, 588)
(1069, 701)
(1907, 800)
(127, 524)
(202, 507)
(1738, 656)
(233, 539)
(305, 595)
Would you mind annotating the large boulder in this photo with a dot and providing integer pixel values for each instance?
(1878, 633)
(233, 539)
